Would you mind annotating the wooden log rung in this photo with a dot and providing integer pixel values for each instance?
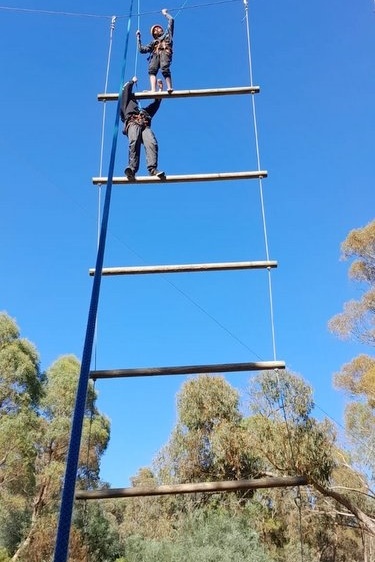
(187, 370)
(186, 93)
(183, 268)
(184, 178)
(204, 487)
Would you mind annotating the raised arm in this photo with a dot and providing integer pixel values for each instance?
(170, 28)
(143, 48)
(127, 91)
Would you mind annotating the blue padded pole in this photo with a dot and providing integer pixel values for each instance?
(67, 498)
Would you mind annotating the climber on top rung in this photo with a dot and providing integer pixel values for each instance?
(161, 51)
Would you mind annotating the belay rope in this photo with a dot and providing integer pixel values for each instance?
(67, 498)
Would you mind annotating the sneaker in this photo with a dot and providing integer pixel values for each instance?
(158, 173)
(129, 174)
(170, 90)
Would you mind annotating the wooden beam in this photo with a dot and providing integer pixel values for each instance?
(186, 93)
(187, 370)
(182, 268)
(204, 487)
(185, 178)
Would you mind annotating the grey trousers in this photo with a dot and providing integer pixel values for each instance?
(138, 135)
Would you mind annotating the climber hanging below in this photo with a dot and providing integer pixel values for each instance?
(161, 50)
(137, 123)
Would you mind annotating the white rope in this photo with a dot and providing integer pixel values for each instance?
(112, 27)
(111, 30)
(260, 180)
(138, 27)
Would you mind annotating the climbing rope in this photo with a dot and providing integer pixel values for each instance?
(138, 26)
(85, 514)
(67, 498)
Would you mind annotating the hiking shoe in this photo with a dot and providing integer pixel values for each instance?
(129, 174)
(158, 173)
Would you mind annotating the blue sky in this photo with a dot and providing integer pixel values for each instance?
(315, 114)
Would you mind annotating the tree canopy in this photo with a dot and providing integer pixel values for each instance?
(357, 321)
(35, 419)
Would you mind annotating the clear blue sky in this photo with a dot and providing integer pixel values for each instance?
(314, 63)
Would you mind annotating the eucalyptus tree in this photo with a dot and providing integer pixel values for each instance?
(21, 387)
(35, 419)
(291, 441)
(51, 445)
(357, 321)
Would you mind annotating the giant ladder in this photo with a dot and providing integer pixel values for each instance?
(69, 492)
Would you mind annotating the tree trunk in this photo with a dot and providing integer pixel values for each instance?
(38, 504)
(367, 523)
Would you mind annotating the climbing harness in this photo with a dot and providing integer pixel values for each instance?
(142, 119)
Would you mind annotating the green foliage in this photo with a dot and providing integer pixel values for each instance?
(210, 440)
(207, 401)
(20, 381)
(35, 420)
(101, 537)
(280, 394)
(360, 243)
(357, 319)
(360, 424)
(205, 536)
(282, 430)
(13, 523)
(357, 378)
(4, 557)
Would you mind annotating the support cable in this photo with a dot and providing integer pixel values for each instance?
(98, 16)
(67, 499)
(260, 179)
(182, 7)
(282, 402)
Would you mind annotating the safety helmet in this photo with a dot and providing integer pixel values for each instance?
(153, 28)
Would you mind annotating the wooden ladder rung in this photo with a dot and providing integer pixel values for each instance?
(187, 93)
(225, 486)
(187, 370)
(183, 268)
(184, 178)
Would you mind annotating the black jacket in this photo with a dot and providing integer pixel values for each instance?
(129, 104)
